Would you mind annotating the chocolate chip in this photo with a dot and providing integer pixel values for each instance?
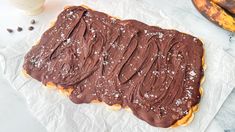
(33, 21)
(9, 30)
(31, 28)
(19, 29)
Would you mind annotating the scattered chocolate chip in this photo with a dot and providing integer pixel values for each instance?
(230, 37)
(31, 28)
(19, 29)
(33, 21)
(9, 30)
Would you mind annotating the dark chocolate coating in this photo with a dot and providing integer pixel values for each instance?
(153, 71)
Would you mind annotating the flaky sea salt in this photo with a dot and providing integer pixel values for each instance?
(146, 95)
(155, 72)
(178, 102)
(116, 95)
(160, 35)
(192, 73)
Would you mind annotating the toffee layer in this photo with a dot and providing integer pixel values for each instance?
(153, 71)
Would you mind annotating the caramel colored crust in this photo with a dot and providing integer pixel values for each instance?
(181, 122)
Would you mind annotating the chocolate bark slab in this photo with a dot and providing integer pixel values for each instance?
(153, 71)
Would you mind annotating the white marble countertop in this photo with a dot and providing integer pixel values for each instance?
(15, 116)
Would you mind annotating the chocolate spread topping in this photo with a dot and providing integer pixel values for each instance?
(153, 71)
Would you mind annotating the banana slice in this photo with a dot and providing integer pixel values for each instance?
(228, 5)
(216, 14)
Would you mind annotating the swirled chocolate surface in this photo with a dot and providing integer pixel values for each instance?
(153, 71)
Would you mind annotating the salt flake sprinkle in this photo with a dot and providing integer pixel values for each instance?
(192, 73)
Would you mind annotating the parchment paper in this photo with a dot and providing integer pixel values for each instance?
(58, 114)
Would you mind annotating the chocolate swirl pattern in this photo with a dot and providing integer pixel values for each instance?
(153, 71)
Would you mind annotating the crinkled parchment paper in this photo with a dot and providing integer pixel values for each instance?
(58, 114)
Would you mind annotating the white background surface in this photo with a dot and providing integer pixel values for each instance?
(15, 116)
